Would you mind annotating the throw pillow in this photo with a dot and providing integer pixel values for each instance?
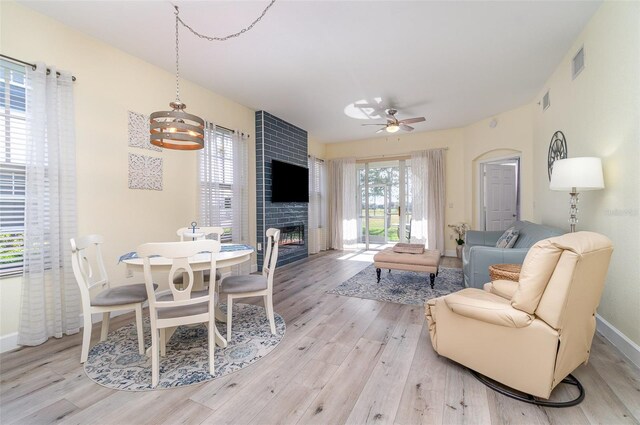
(508, 238)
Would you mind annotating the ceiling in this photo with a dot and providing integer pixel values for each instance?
(452, 62)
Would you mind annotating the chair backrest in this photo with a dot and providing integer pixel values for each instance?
(179, 253)
(575, 273)
(215, 231)
(270, 254)
(85, 251)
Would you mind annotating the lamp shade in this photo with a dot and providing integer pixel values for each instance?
(581, 173)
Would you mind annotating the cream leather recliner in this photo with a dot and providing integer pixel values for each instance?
(528, 335)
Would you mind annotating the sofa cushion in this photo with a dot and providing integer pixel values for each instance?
(530, 233)
(508, 238)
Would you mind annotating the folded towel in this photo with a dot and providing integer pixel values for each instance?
(409, 248)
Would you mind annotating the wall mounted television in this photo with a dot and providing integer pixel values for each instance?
(289, 183)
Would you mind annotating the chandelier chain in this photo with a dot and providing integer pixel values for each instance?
(226, 37)
(177, 60)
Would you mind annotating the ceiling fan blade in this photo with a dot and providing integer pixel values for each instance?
(406, 127)
(374, 124)
(381, 130)
(412, 120)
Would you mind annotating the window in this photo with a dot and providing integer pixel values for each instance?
(317, 206)
(216, 181)
(12, 166)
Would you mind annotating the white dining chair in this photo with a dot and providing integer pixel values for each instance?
(245, 286)
(183, 306)
(86, 251)
(204, 232)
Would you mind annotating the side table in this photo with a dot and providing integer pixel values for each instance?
(505, 272)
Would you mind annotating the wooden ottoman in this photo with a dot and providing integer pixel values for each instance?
(427, 262)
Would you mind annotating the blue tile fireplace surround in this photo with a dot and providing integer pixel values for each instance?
(279, 140)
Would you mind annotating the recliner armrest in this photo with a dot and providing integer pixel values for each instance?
(486, 307)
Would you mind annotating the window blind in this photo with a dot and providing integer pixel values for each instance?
(317, 206)
(216, 180)
(12, 166)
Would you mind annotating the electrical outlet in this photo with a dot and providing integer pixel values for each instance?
(259, 246)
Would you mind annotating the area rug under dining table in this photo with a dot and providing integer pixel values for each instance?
(115, 363)
(401, 287)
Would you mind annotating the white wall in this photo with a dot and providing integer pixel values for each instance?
(599, 113)
(512, 135)
(109, 83)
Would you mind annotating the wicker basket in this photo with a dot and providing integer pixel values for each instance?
(504, 272)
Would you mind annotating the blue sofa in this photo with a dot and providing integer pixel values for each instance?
(480, 252)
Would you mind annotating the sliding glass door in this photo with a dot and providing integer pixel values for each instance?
(383, 203)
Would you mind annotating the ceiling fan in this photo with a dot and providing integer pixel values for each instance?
(393, 124)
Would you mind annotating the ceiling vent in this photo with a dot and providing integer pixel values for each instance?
(578, 63)
(545, 101)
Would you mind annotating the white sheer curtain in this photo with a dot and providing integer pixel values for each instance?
(436, 191)
(428, 198)
(317, 206)
(50, 303)
(342, 209)
(209, 171)
(240, 198)
(419, 223)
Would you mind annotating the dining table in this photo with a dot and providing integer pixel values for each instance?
(230, 255)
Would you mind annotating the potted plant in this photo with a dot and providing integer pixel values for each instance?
(460, 230)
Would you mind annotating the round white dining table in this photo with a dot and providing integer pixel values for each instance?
(199, 263)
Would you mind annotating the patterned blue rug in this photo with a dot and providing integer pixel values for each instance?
(400, 287)
(115, 363)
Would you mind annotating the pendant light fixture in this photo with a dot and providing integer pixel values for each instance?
(177, 129)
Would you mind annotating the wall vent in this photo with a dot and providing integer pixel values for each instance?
(545, 101)
(578, 63)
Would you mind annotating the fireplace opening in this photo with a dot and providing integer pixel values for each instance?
(291, 235)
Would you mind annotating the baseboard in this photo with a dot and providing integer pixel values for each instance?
(8, 342)
(628, 348)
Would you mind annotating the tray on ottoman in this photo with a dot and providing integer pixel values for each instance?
(427, 262)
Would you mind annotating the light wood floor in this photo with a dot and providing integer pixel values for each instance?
(343, 360)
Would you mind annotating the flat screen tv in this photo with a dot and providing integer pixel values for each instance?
(289, 183)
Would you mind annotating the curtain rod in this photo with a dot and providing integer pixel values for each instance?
(391, 157)
(319, 159)
(33, 66)
(213, 125)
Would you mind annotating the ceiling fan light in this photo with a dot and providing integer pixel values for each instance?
(392, 128)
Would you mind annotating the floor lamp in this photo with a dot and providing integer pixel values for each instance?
(576, 175)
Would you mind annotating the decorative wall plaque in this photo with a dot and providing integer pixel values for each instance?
(139, 132)
(145, 172)
(557, 150)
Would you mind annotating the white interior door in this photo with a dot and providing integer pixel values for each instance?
(500, 196)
